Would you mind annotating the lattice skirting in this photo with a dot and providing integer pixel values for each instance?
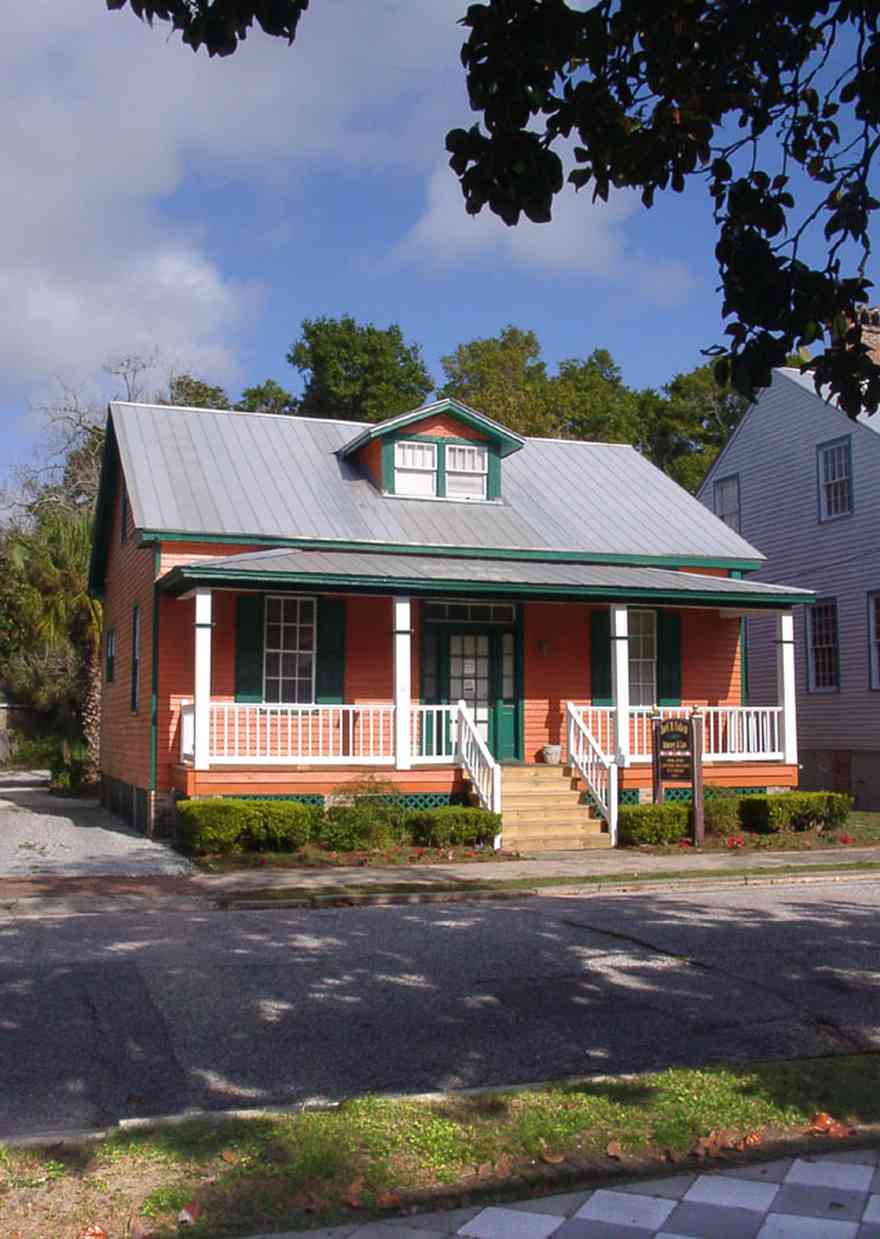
(410, 800)
(630, 795)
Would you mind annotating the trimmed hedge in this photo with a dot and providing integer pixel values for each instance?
(721, 815)
(229, 825)
(794, 811)
(452, 824)
(652, 823)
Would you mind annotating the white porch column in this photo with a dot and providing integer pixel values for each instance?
(202, 688)
(786, 695)
(620, 681)
(402, 630)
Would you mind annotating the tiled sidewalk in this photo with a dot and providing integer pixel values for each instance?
(836, 1196)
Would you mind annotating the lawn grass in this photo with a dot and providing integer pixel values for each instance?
(862, 829)
(312, 857)
(377, 1154)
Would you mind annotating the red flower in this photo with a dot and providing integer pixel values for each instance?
(844, 838)
(684, 843)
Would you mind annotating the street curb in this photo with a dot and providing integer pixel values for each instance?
(37, 907)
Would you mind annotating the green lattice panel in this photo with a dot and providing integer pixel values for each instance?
(629, 795)
(304, 799)
(678, 793)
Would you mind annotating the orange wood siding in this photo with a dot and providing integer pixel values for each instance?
(709, 659)
(556, 669)
(722, 774)
(442, 426)
(260, 781)
(125, 734)
(369, 460)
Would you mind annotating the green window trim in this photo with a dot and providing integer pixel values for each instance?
(123, 514)
(110, 655)
(668, 658)
(135, 658)
(600, 658)
(493, 475)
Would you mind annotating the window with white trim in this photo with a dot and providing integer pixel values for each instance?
(727, 501)
(415, 468)
(467, 471)
(874, 638)
(289, 650)
(642, 658)
(823, 662)
(835, 479)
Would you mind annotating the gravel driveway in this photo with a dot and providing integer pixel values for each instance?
(44, 834)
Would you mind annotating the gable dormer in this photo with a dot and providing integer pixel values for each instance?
(444, 450)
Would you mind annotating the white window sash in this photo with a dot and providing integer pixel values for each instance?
(642, 667)
(297, 652)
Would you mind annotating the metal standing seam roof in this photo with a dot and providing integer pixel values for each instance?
(429, 572)
(201, 472)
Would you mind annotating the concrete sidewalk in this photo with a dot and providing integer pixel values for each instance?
(606, 871)
(831, 1196)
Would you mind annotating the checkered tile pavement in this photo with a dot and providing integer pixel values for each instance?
(835, 1196)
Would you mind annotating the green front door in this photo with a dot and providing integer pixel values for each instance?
(480, 669)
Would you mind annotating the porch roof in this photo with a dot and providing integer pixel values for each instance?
(375, 573)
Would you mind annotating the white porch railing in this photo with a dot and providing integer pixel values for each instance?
(285, 734)
(434, 732)
(598, 771)
(484, 771)
(731, 733)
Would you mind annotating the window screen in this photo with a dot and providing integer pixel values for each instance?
(824, 662)
(642, 658)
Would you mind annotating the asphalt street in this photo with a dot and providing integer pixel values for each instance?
(144, 1013)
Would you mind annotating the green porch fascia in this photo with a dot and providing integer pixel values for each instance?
(184, 578)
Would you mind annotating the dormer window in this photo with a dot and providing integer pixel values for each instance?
(467, 470)
(415, 468)
(443, 450)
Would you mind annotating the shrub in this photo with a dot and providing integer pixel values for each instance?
(35, 753)
(794, 811)
(346, 828)
(452, 824)
(721, 815)
(217, 825)
(652, 823)
(284, 825)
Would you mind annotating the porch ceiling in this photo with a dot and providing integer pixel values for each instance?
(370, 572)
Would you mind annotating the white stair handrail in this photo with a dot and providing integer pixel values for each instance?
(597, 770)
(474, 755)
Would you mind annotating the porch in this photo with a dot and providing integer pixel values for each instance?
(473, 746)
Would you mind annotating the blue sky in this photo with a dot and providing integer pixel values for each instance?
(155, 200)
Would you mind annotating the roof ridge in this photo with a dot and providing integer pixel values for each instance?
(194, 408)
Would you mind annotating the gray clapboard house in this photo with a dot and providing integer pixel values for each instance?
(801, 481)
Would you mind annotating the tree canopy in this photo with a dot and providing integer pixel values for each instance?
(775, 107)
(356, 371)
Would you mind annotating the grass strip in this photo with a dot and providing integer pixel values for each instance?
(319, 894)
(372, 1154)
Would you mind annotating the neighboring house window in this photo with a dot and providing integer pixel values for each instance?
(822, 646)
(123, 515)
(467, 469)
(110, 655)
(874, 638)
(835, 479)
(289, 667)
(727, 501)
(642, 658)
(415, 468)
(135, 656)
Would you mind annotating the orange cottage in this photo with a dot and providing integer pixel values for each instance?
(292, 605)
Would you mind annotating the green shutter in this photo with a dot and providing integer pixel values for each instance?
(330, 671)
(249, 647)
(600, 658)
(668, 658)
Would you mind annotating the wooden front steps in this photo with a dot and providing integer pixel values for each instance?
(542, 811)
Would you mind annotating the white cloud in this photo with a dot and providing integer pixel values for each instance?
(584, 238)
(104, 120)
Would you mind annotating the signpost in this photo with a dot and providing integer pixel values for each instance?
(677, 757)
